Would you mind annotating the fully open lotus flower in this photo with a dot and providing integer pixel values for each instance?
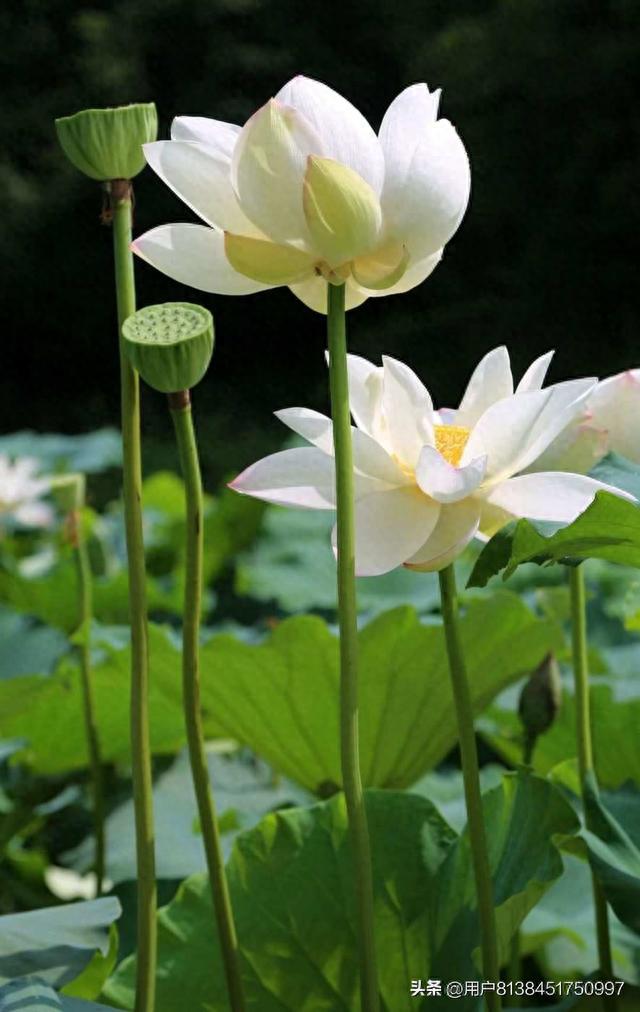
(305, 192)
(425, 484)
(21, 492)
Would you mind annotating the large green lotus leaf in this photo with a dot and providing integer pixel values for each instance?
(56, 943)
(281, 698)
(608, 529)
(294, 543)
(560, 930)
(32, 994)
(615, 706)
(91, 452)
(614, 852)
(244, 789)
(293, 900)
(27, 648)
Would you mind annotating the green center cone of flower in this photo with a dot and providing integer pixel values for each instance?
(170, 344)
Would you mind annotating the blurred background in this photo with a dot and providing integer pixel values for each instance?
(543, 94)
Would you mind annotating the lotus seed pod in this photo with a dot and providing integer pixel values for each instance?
(68, 491)
(540, 698)
(107, 143)
(170, 345)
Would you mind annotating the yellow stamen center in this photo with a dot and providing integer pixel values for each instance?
(451, 441)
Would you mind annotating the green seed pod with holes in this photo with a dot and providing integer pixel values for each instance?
(107, 143)
(170, 345)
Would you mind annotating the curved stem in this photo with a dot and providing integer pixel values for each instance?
(585, 758)
(347, 616)
(132, 491)
(471, 776)
(88, 704)
(187, 448)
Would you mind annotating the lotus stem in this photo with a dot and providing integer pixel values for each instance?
(180, 405)
(585, 761)
(347, 617)
(85, 614)
(471, 777)
(120, 199)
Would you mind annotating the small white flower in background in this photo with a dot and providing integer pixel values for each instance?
(306, 192)
(610, 423)
(427, 482)
(21, 492)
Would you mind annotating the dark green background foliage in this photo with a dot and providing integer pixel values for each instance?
(542, 92)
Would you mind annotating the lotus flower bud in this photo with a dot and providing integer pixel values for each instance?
(107, 143)
(170, 345)
(68, 491)
(540, 700)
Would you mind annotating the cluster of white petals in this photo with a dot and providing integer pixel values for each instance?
(21, 492)
(428, 481)
(306, 192)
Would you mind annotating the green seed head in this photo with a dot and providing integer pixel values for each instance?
(170, 345)
(107, 143)
(68, 491)
(541, 697)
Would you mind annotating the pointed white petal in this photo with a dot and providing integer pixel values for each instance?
(535, 374)
(299, 477)
(365, 393)
(344, 132)
(194, 255)
(389, 528)
(202, 179)
(368, 456)
(218, 136)
(313, 292)
(444, 482)
(491, 381)
(402, 127)
(615, 406)
(550, 495)
(424, 207)
(268, 169)
(408, 411)
(457, 525)
(578, 448)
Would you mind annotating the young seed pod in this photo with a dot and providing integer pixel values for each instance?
(107, 143)
(68, 491)
(540, 700)
(170, 345)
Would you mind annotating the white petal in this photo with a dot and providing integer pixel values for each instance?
(408, 411)
(368, 456)
(535, 374)
(202, 179)
(615, 406)
(344, 132)
(578, 448)
(491, 381)
(194, 255)
(415, 274)
(365, 393)
(218, 136)
(299, 477)
(34, 514)
(402, 126)
(550, 495)
(389, 528)
(515, 431)
(457, 525)
(444, 482)
(268, 169)
(424, 208)
(313, 292)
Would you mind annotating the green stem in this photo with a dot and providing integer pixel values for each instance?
(471, 776)
(347, 616)
(585, 759)
(187, 448)
(132, 489)
(88, 704)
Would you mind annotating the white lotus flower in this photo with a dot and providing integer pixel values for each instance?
(21, 491)
(306, 193)
(426, 486)
(609, 423)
